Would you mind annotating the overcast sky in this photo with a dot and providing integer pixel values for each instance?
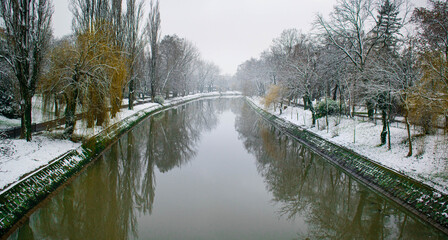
(227, 32)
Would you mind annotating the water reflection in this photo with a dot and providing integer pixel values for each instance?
(220, 197)
(333, 205)
(105, 201)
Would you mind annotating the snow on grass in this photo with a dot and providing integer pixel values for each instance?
(18, 157)
(429, 163)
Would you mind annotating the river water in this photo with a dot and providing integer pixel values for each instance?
(213, 169)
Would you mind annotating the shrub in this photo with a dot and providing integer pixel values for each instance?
(159, 99)
(273, 96)
(9, 106)
(333, 108)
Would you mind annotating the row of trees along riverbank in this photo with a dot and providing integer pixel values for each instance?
(113, 53)
(378, 53)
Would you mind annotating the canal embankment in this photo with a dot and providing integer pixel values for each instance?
(20, 198)
(421, 199)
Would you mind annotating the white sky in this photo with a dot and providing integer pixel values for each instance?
(227, 32)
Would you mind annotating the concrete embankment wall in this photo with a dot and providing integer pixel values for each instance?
(20, 199)
(420, 199)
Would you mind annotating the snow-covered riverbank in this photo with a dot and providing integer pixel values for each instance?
(18, 157)
(429, 164)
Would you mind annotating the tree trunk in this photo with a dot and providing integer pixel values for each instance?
(27, 117)
(22, 123)
(310, 106)
(388, 132)
(335, 92)
(70, 111)
(153, 91)
(326, 115)
(131, 94)
(353, 109)
(446, 124)
(313, 116)
(56, 107)
(341, 100)
(384, 131)
(408, 128)
(153, 75)
(370, 109)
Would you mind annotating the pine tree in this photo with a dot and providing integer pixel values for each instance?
(388, 25)
(386, 32)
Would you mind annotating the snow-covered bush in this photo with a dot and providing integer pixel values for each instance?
(9, 107)
(159, 99)
(333, 108)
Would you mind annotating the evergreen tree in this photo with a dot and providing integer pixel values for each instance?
(388, 25)
(386, 31)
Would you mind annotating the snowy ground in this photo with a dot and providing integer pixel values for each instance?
(18, 157)
(428, 164)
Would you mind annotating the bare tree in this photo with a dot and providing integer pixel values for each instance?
(133, 44)
(86, 13)
(348, 30)
(116, 20)
(28, 31)
(251, 76)
(296, 58)
(392, 80)
(206, 73)
(153, 33)
(176, 58)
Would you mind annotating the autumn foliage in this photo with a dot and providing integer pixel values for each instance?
(88, 71)
(273, 96)
(429, 98)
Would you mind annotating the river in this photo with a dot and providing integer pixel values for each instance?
(213, 169)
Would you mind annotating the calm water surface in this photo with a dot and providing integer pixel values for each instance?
(212, 169)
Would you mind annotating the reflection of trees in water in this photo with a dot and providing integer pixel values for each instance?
(92, 207)
(104, 202)
(331, 203)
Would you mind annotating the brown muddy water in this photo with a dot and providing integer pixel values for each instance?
(213, 169)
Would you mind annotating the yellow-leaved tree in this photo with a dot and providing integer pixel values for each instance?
(429, 98)
(87, 71)
(273, 96)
